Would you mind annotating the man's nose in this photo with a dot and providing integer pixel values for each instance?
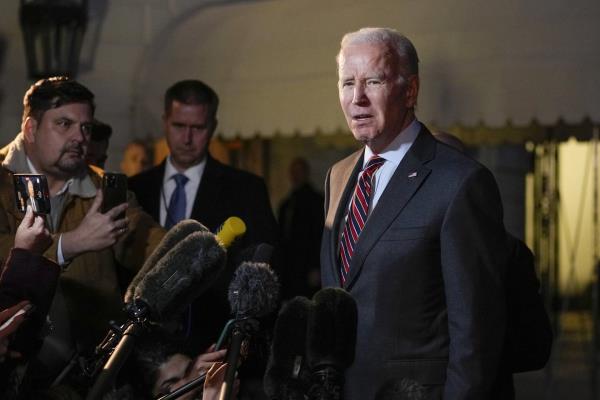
(358, 95)
(81, 133)
(188, 134)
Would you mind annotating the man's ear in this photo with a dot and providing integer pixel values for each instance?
(412, 91)
(29, 127)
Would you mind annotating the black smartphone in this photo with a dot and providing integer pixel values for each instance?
(32, 189)
(114, 191)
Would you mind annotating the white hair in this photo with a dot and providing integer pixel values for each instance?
(390, 37)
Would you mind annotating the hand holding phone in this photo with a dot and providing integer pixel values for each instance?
(32, 234)
(12, 317)
(114, 191)
(10, 320)
(32, 190)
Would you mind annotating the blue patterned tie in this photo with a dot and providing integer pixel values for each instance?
(178, 203)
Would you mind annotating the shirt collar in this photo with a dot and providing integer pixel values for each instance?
(396, 150)
(193, 173)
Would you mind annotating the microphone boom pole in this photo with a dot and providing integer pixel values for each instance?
(117, 359)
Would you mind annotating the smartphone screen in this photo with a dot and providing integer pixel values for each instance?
(32, 189)
(114, 190)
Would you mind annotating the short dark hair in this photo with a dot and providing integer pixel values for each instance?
(54, 92)
(100, 131)
(192, 91)
(151, 351)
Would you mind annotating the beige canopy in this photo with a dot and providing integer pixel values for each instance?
(493, 65)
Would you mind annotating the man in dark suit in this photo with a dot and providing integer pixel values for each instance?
(300, 218)
(189, 183)
(414, 231)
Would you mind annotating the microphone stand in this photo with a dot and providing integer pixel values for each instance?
(242, 329)
(133, 329)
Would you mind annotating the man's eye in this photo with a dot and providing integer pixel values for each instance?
(64, 123)
(347, 83)
(198, 128)
(373, 82)
(86, 129)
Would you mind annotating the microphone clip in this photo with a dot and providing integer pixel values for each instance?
(327, 384)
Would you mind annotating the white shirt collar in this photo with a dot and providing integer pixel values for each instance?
(396, 150)
(193, 173)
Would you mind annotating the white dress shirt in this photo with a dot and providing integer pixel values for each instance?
(194, 174)
(393, 155)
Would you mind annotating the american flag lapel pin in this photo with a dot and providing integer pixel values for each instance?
(412, 174)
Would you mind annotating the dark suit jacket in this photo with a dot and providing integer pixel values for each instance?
(223, 192)
(427, 274)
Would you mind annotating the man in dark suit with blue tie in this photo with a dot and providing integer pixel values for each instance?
(414, 232)
(190, 183)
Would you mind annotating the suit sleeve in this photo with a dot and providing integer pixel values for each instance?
(473, 256)
(326, 278)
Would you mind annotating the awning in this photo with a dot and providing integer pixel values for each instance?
(492, 64)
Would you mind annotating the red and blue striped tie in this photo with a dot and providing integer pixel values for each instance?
(357, 214)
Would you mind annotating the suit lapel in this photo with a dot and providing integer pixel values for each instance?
(407, 179)
(208, 193)
(155, 191)
(342, 182)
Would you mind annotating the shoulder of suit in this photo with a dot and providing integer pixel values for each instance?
(148, 175)
(232, 173)
(450, 155)
(348, 162)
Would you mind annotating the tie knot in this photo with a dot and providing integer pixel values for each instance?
(373, 164)
(180, 179)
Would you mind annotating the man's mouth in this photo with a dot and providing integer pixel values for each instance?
(74, 152)
(361, 117)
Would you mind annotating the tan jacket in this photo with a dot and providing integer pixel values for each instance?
(89, 283)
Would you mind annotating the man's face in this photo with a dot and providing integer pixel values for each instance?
(57, 144)
(174, 373)
(135, 160)
(377, 101)
(97, 153)
(188, 128)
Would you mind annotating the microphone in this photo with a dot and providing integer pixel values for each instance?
(331, 341)
(260, 253)
(175, 235)
(187, 261)
(181, 275)
(253, 293)
(176, 279)
(287, 376)
(230, 230)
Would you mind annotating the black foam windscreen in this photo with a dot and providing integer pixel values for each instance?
(253, 291)
(181, 275)
(175, 235)
(287, 375)
(261, 253)
(331, 335)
